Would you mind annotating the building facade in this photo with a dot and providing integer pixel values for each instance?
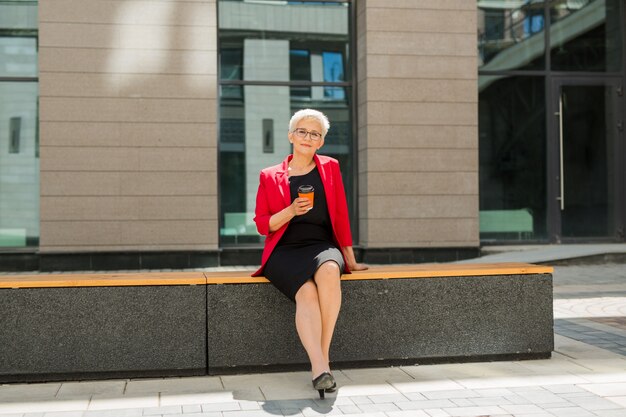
(132, 132)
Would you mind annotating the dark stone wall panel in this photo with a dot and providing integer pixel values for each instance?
(94, 330)
(390, 320)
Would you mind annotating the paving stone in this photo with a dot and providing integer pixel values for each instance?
(449, 394)
(361, 399)
(422, 405)
(407, 413)
(594, 403)
(192, 408)
(350, 409)
(571, 412)
(232, 406)
(247, 413)
(474, 411)
(436, 412)
(369, 408)
(488, 401)
(521, 409)
(157, 411)
(64, 414)
(389, 398)
(127, 412)
(462, 402)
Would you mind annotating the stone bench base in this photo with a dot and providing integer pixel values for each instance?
(119, 326)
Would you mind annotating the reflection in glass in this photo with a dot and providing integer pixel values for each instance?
(242, 153)
(511, 35)
(589, 171)
(512, 151)
(18, 57)
(585, 35)
(19, 165)
(280, 41)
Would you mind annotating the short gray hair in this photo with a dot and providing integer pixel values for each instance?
(310, 114)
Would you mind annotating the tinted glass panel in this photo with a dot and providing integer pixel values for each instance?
(585, 35)
(253, 135)
(589, 169)
(19, 165)
(511, 35)
(512, 153)
(283, 41)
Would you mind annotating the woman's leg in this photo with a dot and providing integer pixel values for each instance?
(309, 326)
(327, 278)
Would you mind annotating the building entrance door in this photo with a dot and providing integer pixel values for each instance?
(586, 154)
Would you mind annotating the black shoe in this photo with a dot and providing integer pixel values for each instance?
(323, 382)
(332, 389)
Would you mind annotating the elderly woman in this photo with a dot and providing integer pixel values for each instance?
(308, 242)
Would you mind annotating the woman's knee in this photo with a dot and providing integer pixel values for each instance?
(328, 272)
(307, 293)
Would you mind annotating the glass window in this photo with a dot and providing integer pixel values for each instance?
(511, 35)
(585, 35)
(512, 155)
(19, 143)
(277, 57)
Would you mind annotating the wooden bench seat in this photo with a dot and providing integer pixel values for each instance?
(82, 326)
(243, 276)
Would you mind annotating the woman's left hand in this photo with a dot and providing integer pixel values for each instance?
(358, 267)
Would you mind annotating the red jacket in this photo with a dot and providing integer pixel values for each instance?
(274, 195)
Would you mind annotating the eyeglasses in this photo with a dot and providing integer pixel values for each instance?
(301, 133)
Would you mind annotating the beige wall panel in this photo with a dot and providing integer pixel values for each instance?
(439, 137)
(420, 183)
(113, 36)
(63, 183)
(127, 85)
(113, 233)
(175, 207)
(424, 4)
(416, 113)
(422, 67)
(414, 43)
(126, 61)
(128, 184)
(89, 159)
(88, 134)
(177, 159)
(434, 91)
(78, 35)
(129, 12)
(84, 208)
(421, 20)
(127, 110)
(100, 208)
(178, 232)
(421, 160)
(168, 183)
(429, 232)
(76, 233)
(420, 206)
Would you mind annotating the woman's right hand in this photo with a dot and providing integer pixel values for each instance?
(301, 206)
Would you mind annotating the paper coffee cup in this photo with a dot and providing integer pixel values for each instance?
(306, 191)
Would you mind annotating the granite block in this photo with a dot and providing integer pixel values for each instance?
(87, 332)
(393, 321)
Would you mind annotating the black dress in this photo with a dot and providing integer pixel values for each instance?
(307, 242)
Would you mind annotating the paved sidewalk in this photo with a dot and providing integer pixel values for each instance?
(586, 376)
